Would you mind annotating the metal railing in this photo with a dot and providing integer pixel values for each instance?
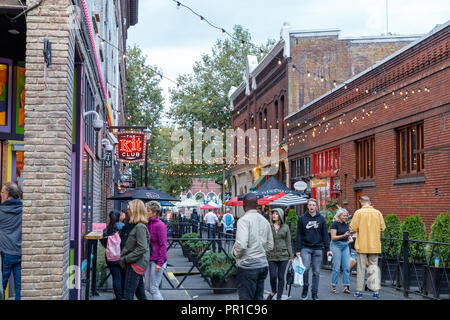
(417, 267)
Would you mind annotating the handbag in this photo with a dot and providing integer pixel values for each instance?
(290, 275)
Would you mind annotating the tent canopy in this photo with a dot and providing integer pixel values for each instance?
(188, 203)
(207, 206)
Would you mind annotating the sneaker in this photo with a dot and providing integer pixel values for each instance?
(358, 295)
(305, 292)
(376, 295)
(269, 297)
(314, 296)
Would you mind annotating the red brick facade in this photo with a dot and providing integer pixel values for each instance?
(411, 87)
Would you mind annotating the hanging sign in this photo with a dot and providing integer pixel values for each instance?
(316, 183)
(108, 159)
(130, 184)
(132, 147)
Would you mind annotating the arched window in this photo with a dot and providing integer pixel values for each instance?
(189, 195)
(260, 120)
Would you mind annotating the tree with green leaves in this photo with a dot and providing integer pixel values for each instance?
(203, 95)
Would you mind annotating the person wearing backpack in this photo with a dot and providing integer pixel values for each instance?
(228, 222)
(135, 254)
(112, 241)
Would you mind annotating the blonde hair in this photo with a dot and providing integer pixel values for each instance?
(364, 199)
(155, 206)
(138, 214)
(339, 212)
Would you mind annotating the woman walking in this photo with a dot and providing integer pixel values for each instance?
(340, 234)
(114, 226)
(158, 249)
(280, 255)
(135, 254)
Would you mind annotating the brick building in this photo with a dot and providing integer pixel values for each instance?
(204, 191)
(49, 146)
(302, 66)
(383, 133)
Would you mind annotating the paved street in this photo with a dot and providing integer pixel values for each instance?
(179, 265)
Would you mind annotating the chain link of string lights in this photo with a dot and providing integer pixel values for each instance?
(310, 130)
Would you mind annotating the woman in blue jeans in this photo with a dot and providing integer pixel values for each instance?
(340, 235)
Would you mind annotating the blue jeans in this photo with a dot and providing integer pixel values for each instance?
(12, 264)
(341, 256)
(276, 271)
(153, 280)
(251, 283)
(311, 256)
(116, 273)
(134, 284)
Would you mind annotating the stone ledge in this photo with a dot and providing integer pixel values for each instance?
(409, 180)
(361, 185)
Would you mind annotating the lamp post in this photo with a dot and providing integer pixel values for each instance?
(141, 165)
(148, 134)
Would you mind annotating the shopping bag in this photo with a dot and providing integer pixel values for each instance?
(373, 281)
(299, 269)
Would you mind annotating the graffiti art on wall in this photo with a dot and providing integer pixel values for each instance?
(20, 98)
(3, 93)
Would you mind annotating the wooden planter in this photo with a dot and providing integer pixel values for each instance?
(228, 286)
(436, 281)
(388, 267)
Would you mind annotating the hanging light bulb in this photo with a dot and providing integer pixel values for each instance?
(279, 62)
(242, 43)
(202, 19)
(308, 74)
(293, 67)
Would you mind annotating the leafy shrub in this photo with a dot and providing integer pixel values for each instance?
(329, 211)
(416, 229)
(440, 232)
(292, 219)
(391, 248)
(214, 264)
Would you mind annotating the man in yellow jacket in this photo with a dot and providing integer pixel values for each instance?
(368, 223)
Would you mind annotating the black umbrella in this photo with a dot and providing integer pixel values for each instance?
(271, 187)
(143, 193)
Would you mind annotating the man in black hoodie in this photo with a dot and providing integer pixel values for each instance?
(312, 235)
(11, 235)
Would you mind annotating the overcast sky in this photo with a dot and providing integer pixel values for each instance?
(174, 39)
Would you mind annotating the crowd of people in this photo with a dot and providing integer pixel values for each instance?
(136, 246)
(263, 246)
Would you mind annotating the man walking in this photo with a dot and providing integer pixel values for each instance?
(253, 239)
(11, 236)
(312, 235)
(368, 223)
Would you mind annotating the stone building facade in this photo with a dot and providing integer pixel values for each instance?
(62, 174)
(383, 133)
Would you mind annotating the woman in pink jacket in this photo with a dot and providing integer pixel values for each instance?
(158, 250)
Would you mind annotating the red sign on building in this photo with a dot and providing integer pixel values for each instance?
(132, 147)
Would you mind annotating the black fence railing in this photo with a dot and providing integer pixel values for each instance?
(419, 267)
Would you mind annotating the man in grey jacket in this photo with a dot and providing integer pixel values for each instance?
(253, 239)
(11, 236)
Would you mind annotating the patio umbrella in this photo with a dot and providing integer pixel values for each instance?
(269, 199)
(233, 202)
(289, 200)
(207, 206)
(164, 203)
(272, 187)
(143, 193)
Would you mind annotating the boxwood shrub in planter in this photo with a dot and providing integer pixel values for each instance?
(416, 229)
(214, 266)
(185, 245)
(391, 248)
(436, 278)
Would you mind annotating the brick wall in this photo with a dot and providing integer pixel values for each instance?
(423, 66)
(48, 148)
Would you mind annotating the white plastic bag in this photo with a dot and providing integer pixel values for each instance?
(299, 269)
(373, 281)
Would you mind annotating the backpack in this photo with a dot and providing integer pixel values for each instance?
(113, 247)
(228, 222)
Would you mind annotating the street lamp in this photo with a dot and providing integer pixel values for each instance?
(148, 134)
(141, 165)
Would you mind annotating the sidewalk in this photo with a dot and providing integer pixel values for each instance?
(178, 266)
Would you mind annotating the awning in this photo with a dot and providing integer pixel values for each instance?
(289, 200)
(258, 184)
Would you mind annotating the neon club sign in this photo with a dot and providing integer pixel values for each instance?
(132, 147)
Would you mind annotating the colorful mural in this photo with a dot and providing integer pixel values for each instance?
(20, 97)
(3, 93)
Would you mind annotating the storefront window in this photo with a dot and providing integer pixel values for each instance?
(4, 93)
(20, 97)
(88, 197)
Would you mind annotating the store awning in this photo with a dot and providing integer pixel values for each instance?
(259, 182)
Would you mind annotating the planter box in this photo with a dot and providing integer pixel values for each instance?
(194, 259)
(416, 275)
(185, 250)
(436, 281)
(388, 267)
(228, 286)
